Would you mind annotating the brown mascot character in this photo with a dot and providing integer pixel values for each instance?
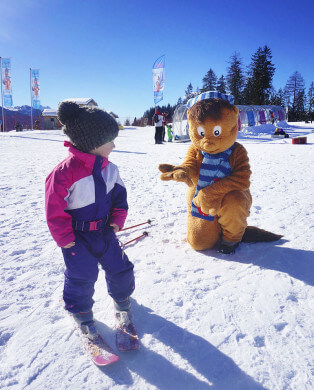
(217, 172)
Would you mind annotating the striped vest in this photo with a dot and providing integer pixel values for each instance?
(214, 167)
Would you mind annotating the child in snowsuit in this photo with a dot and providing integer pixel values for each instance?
(169, 133)
(86, 204)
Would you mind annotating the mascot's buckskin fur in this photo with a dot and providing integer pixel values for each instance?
(217, 172)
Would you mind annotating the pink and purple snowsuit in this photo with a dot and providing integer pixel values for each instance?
(84, 194)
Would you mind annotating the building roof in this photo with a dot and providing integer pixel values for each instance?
(82, 101)
(49, 112)
(115, 116)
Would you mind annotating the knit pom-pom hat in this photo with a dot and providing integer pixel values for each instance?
(87, 127)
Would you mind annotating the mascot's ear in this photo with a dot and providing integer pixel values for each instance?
(236, 110)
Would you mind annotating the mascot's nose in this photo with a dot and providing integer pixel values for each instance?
(207, 144)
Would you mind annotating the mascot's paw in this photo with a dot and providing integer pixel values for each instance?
(170, 172)
(212, 212)
(166, 168)
(207, 204)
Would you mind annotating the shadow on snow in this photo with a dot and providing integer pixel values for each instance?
(297, 263)
(219, 369)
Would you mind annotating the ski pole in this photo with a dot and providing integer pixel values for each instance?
(145, 234)
(131, 227)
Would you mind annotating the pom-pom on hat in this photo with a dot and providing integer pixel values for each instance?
(87, 127)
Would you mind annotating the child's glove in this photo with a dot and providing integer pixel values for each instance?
(115, 227)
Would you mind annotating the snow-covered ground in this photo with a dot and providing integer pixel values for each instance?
(206, 320)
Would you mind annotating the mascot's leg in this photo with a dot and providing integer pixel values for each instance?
(202, 234)
(232, 216)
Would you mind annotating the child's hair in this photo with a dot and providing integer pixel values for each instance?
(87, 127)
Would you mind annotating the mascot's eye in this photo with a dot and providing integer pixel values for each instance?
(201, 131)
(217, 131)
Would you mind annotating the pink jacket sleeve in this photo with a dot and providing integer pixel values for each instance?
(118, 216)
(59, 222)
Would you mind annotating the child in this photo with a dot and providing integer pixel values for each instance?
(86, 204)
(169, 133)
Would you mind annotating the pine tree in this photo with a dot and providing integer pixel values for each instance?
(247, 93)
(189, 90)
(300, 106)
(295, 92)
(209, 81)
(179, 102)
(310, 102)
(261, 72)
(277, 98)
(188, 93)
(221, 85)
(235, 78)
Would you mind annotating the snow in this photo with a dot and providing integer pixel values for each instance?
(85, 101)
(206, 320)
(49, 112)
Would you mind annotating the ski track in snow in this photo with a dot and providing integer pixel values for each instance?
(206, 320)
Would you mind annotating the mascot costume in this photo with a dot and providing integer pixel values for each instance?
(217, 172)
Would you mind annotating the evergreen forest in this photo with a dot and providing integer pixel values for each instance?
(251, 85)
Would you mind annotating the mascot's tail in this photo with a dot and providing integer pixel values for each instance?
(254, 234)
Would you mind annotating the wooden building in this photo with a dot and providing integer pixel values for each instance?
(50, 120)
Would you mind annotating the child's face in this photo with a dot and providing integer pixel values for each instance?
(104, 150)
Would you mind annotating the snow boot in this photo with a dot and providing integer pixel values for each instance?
(123, 319)
(123, 314)
(86, 322)
(126, 336)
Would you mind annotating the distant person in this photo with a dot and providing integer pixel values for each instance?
(279, 131)
(18, 127)
(86, 205)
(158, 120)
(164, 124)
(272, 116)
(169, 132)
(37, 125)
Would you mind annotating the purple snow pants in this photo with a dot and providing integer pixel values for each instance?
(93, 248)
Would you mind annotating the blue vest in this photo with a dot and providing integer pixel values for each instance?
(214, 167)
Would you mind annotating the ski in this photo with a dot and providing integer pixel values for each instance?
(97, 348)
(99, 351)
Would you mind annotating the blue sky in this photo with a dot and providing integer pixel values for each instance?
(105, 49)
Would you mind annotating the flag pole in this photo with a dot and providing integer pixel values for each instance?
(2, 95)
(30, 82)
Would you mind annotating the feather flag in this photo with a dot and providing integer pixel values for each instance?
(158, 78)
(35, 88)
(6, 82)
